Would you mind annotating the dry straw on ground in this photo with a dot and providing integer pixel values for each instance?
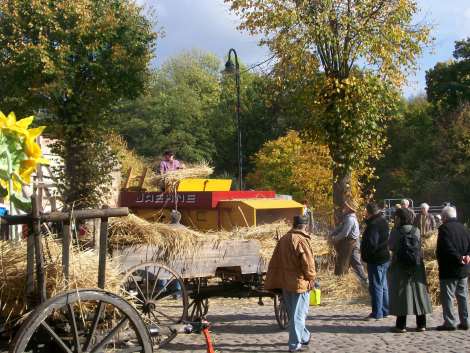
(83, 274)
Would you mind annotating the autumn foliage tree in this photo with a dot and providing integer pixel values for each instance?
(68, 61)
(292, 166)
(325, 41)
(299, 167)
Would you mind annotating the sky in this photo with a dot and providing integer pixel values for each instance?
(208, 25)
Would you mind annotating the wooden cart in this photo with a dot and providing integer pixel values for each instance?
(178, 290)
(81, 320)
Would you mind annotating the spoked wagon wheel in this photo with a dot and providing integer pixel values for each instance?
(85, 320)
(197, 309)
(159, 295)
(280, 311)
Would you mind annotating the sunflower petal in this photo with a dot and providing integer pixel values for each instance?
(33, 133)
(11, 119)
(24, 123)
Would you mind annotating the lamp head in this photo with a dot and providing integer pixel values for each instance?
(229, 67)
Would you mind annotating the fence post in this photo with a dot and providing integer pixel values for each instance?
(38, 250)
(66, 250)
(103, 250)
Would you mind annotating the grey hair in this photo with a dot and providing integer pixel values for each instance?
(449, 212)
(424, 205)
(405, 202)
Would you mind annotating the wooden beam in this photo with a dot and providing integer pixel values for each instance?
(142, 178)
(127, 178)
(64, 216)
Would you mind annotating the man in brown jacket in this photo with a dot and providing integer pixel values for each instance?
(292, 270)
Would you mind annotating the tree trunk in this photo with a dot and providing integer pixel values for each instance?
(341, 191)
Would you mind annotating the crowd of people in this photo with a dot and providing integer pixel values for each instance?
(395, 276)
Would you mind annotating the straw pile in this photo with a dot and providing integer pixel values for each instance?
(83, 274)
(171, 179)
(182, 242)
(172, 242)
(432, 269)
(337, 290)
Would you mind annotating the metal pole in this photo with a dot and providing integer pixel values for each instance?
(239, 129)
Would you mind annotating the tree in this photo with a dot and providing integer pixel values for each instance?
(294, 167)
(301, 168)
(69, 60)
(407, 169)
(261, 120)
(176, 111)
(336, 36)
(448, 83)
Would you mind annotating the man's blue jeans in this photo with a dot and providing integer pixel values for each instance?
(297, 309)
(378, 289)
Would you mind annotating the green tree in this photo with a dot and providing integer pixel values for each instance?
(175, 113)
(336, 36)
(406, 171)
(448, 83)
(70, 60)
(261, 120)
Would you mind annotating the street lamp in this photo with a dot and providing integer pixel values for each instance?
(230, 68)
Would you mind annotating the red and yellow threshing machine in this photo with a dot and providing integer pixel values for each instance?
(208, 204)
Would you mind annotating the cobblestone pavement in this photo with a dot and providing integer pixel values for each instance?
(245, 327)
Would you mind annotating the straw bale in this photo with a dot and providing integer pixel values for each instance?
(432, 269)
(83, 274)
(171, 179)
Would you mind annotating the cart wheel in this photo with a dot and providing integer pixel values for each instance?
(280, 311)
(198, 309)
(85, 320)
(159, 295)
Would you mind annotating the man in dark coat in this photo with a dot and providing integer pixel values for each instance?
(452, 252)
(375, 252)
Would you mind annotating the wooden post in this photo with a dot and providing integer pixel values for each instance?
(41, 279)
(66, 250)
(30, 267)
(103, 251)
(40, 196)
(4, 230)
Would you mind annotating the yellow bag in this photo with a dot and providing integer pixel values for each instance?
(315, 296)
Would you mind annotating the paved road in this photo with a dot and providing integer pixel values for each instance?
(244, 327)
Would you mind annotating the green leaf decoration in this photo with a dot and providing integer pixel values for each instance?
(21, 202)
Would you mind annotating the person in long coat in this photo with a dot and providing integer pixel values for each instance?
(408, 293)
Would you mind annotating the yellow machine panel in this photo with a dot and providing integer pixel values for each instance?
(204, 185)
(252, 212)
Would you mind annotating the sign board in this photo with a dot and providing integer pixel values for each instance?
(196, 199)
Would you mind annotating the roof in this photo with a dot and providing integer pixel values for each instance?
(266, 204)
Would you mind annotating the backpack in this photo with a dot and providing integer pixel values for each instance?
(409, 249)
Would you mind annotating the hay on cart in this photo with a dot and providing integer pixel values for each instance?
(170, 180)
(83, 270)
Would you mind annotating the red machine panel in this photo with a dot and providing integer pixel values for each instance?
(196, 199)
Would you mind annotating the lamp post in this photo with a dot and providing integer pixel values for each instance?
(230, 68)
